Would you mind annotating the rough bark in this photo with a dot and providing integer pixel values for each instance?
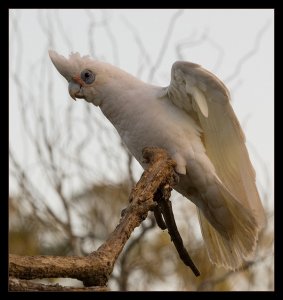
(94, 270)
(16, 284)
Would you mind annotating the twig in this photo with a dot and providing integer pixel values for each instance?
(166, 209)
(113, 40)
(248, 55)
(164, 44)
(144, 54)
(189, 42)
(158, 217)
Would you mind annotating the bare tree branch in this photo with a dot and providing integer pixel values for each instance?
(125, 267)
(248, 55)
(164, 44)
(61, 28)
(166, 209)
(17, 285)
(113, 40)
(189, 42)
(139, 42)
(95, 269)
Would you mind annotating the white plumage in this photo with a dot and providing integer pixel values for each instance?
(193, 120)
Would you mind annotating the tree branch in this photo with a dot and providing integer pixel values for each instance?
(16, 284)
(95, 269)
(165, 207)
(165, 43)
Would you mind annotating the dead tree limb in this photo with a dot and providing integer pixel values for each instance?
(95, 269)
(165, 209)
(16, 284)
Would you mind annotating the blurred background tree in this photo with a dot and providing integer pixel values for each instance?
(70, 174)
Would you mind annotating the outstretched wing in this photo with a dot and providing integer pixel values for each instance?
(206, 98)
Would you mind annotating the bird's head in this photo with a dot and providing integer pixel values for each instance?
(87, 78)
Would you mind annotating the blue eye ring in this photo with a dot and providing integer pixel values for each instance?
(87, 76)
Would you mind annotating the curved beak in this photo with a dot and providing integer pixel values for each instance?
(75, 90)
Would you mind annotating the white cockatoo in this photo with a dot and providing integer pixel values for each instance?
(193, 120)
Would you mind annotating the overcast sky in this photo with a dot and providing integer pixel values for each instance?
(220, 40)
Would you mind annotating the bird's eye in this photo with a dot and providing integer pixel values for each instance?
(87, 76)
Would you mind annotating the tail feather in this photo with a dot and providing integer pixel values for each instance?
(229, 247)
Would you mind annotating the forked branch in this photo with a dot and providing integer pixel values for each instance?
(151, 193)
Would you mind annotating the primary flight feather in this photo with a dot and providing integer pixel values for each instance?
(194, 121)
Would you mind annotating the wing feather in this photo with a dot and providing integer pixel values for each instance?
(200, 92)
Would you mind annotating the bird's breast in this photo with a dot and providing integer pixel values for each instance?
(149, 121)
